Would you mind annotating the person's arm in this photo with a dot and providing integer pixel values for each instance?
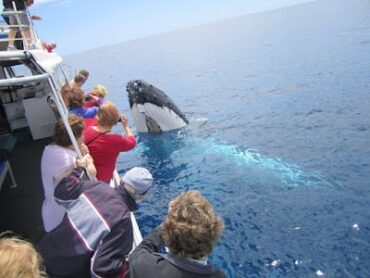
(99, 100)
(123, 143)
(149, 245)
(90, 112)
(109, 258)
(125, 125)
(36, 17)
(87, 161)
(69, 188)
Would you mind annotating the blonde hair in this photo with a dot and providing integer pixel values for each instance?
(19, 259)
(108, 114)
(191, 227)
(99, 90)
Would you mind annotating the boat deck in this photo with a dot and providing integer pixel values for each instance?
(20, 207)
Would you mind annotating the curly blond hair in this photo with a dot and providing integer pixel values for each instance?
(191, 227)
(19, 258)
(99, 91)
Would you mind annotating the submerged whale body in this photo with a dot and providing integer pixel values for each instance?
(152, 110)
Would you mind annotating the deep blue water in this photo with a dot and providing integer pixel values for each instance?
(279, 104)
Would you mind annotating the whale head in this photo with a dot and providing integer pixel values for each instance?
(152, 110)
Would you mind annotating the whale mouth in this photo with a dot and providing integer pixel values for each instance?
(152, 125)
(152, 110)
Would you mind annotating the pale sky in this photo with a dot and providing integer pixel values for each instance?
(78, 25)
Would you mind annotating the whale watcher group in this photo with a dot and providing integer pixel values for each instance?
(87, 224)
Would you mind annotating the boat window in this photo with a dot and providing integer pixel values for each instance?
(8, 73)
(59, 78)
(2, 73)
(21, 70)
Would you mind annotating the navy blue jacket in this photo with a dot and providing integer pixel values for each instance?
(95, 235)
(144, 262)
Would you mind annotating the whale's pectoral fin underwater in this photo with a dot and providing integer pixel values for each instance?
(152, 110)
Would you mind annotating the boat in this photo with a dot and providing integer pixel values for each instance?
(30, 103)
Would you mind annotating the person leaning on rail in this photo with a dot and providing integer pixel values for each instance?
(96, 97)
(58, 161)
(190, 230)
(96, 233)
(104, 145)
(76, 99)
(80, 79)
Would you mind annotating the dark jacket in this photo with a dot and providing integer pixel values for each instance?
(96, 232)
(144, 261)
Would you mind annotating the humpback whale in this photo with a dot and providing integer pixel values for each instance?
(152, 110)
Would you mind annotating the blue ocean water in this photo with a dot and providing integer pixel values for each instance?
(279, 104)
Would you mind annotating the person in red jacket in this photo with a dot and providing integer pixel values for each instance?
(105, 146)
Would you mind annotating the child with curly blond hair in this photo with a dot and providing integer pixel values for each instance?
(18, 258)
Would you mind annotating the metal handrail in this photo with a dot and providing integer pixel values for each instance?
(34, 39)
(23, 80)
(14, 55)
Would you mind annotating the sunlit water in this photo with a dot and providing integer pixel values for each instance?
(279, 105)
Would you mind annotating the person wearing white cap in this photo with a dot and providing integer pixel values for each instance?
(96, 233)
(137, 182)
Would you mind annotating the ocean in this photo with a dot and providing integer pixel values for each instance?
(278, 141)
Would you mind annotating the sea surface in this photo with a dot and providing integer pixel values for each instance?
(279, 134)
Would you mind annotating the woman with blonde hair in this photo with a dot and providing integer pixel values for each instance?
(18, 258)
(190, 231)
(96, 96)
(105, 146)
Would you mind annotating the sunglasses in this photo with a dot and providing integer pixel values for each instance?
(133, 187)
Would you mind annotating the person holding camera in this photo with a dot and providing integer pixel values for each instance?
(105, 146)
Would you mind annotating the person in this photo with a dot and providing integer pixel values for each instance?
(96, 96)
(49, 46)
(190, 230)
(84, 73)
(65, 92)
(75, 103)
(96, 233)
(19, 258)
(19, 19)
(78, 81)
(58, 160)
(105, 146)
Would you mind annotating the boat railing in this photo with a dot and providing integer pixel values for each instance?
(116, 178)
(41, 74)
(28, 44)
(135, 227)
